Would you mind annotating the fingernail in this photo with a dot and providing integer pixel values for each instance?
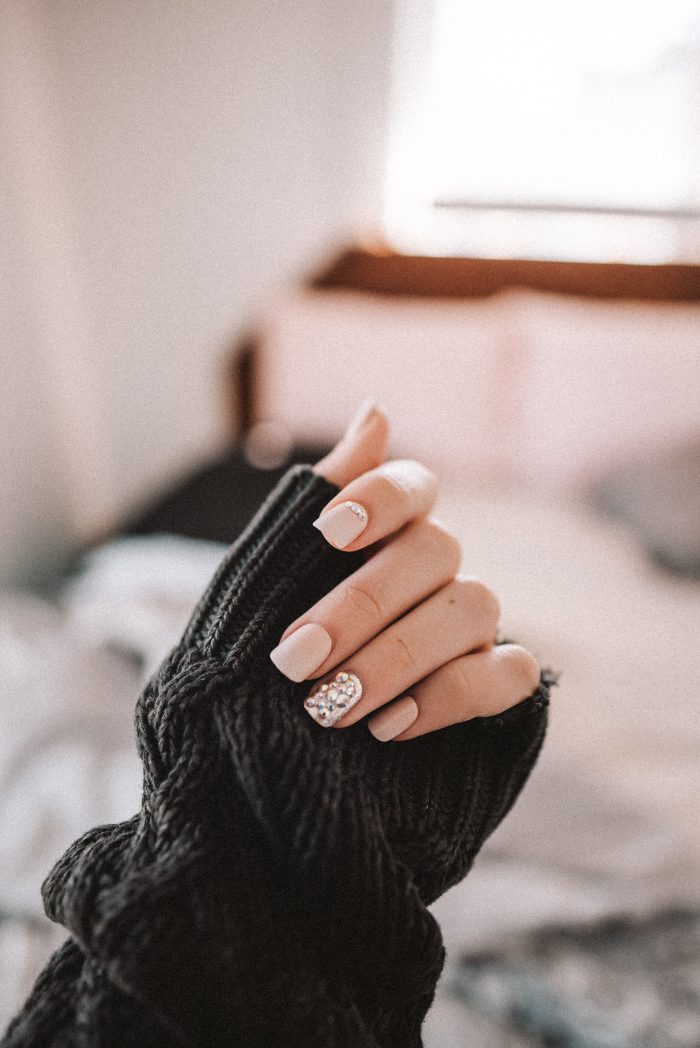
(361, 416)
(331, 700)
(302, 652)
(394, 719)
(342, 524)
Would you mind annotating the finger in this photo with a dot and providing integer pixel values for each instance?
(461, 616)
(420, 560)
(363, 446)
(378, 503)
(478, 685)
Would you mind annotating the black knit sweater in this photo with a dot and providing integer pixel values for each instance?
(273, 889)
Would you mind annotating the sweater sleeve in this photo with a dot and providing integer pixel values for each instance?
(273, 890)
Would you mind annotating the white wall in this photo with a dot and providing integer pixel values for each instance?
(34, 516)
(39, 341)
(192, 157)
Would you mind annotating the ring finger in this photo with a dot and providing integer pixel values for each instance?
(458, 618)
(479, 685)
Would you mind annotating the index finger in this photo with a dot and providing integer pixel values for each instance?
(378, 503)
(362, 446)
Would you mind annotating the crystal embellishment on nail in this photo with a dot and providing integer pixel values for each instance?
(341, 524)
(332, 700)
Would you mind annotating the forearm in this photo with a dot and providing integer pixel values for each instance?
(273, 890)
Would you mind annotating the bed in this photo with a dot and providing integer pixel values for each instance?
(597, 864)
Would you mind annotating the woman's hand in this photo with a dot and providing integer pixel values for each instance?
(406, 637)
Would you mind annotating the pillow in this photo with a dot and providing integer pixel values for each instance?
(660, 500)
(435, 365)
(602, 383)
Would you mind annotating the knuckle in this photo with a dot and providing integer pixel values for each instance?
(479, 599)
(460, 674)
(402, 654)
(428, 477)
(362, 600)
(461, 681)
(524, 668)
(408, 474)
(442, 544)
(390, 488)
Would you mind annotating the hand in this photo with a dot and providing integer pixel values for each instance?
(413, 639)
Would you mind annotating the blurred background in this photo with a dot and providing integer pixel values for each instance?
(222, 226)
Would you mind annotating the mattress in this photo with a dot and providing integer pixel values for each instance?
(606, 825)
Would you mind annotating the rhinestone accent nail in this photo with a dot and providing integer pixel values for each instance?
(332, 699)
(358, 510)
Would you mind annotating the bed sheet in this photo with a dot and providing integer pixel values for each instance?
(605, 826)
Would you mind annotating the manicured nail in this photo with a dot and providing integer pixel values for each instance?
(302, 652)
(342, 524)
(393, 719)
(361, 416)
(331, 700)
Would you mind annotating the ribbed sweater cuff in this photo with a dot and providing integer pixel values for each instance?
(271, 570)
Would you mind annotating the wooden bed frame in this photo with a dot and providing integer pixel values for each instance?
(380, 271)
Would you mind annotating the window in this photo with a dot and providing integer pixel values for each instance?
(547, 129)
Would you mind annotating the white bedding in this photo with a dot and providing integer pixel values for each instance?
(606, 824)
(608, 821)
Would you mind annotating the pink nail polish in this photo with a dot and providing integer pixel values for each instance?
(302, 651)
(342, 524)
(393, 719)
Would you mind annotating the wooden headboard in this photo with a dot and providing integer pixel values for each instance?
(389, 273)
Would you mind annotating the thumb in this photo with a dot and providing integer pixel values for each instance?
(363, 446)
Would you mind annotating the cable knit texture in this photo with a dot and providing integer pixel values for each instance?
(273, 889)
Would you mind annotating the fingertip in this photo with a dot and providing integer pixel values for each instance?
(370, 420)
(362, 447)
(393, 720)
(367, 411)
